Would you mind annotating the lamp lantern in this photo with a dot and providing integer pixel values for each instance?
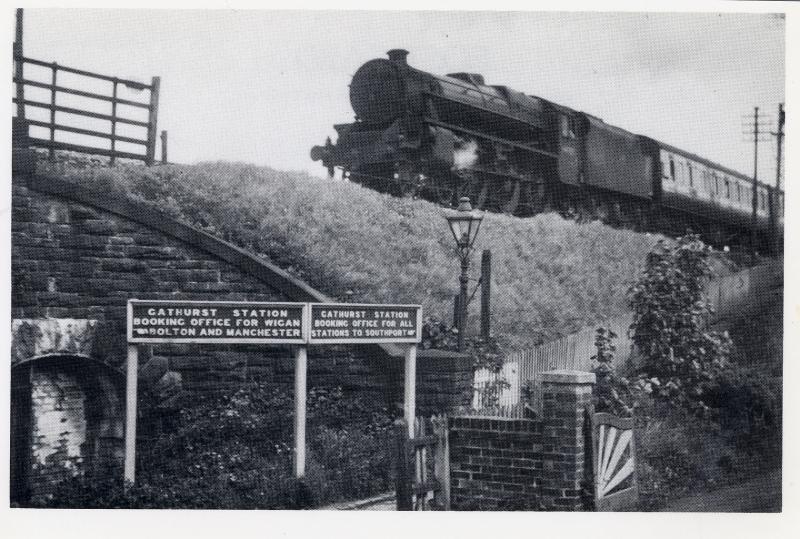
(464, 223)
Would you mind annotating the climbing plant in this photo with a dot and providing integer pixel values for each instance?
(612, 391)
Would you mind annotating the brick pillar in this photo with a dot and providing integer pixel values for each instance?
(566, 415)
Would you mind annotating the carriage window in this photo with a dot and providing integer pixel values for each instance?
(738, 192)
(727, 188)
(672, 169)
(716, 184)
(691, 178)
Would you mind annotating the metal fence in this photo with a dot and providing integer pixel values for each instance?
(110, 125)
(515, 389)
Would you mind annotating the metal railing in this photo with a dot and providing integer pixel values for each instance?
(55, 125)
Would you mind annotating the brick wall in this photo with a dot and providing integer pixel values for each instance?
(495, 463)
(534, 464)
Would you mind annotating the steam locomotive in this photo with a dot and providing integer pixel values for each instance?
(444, 137)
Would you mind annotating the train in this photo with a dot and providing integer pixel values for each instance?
(444, 137)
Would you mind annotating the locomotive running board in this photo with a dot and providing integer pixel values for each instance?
(489, 137)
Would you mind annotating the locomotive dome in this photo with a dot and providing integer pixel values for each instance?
(376, 91)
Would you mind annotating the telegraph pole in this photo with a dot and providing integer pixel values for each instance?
(776, 199)
(756, 129)
(779, 137)
(754, 218)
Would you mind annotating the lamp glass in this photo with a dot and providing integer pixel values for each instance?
(465, 226)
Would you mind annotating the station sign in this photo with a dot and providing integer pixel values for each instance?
(340, 323)
(216, 322)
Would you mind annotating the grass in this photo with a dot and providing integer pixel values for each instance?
(550, 277)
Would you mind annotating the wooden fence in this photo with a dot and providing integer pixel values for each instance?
(503, 393)
(55, 123)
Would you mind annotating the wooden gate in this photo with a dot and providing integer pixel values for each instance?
(614, 462)
(422, 465)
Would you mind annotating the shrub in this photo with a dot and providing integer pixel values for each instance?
(748, 401)
(681, 357)
(234, 451)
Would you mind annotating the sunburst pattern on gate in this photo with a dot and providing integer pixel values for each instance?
(614, 464)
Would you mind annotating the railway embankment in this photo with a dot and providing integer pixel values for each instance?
(551, 276)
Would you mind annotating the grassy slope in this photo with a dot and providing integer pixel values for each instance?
(550, 276)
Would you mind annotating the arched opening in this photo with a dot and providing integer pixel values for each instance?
(67, 419)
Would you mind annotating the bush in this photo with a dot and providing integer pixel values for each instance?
(681, 357)
(748, 401)
(234, 451)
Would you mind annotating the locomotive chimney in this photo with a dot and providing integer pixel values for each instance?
(398, 55)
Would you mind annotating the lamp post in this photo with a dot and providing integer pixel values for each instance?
(464, 223)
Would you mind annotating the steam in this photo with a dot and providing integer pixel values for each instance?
(466, 155)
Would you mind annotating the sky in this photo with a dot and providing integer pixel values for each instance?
(265, 86)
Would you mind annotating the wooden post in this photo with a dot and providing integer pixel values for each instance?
(402, 466)
(442, 462)
(131, 383)
(410, 385)
(18, 67)
(152, 121)
(300, 368)
(486, 293)
(114, 120)
(54, 67)
(164, 147)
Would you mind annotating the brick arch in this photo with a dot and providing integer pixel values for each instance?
(68, 420)
(112, 370)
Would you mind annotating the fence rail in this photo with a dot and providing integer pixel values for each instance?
(56, 126)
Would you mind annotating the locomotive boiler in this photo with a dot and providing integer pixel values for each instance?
(444, 137)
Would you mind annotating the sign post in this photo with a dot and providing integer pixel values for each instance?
(300, 367)
(131, 383)
(215, 322)
(242, 322)
(410, 385)
(341, 323)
